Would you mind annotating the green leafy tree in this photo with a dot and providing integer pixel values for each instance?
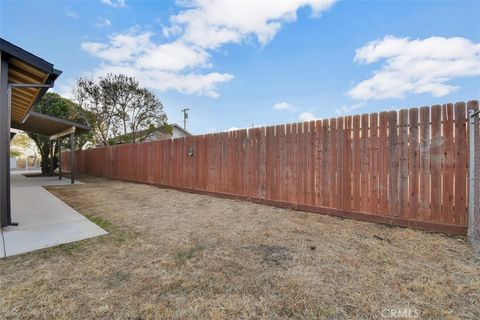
(55, 105)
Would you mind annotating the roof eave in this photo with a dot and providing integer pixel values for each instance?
(19, 53)
(50, 81)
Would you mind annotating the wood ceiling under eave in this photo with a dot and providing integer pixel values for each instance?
(23, 98)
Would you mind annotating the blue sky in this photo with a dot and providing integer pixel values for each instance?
(240, 64)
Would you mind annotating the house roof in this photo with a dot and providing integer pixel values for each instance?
(146, 132)
(181, 129)
(47, 125)
(25, 68)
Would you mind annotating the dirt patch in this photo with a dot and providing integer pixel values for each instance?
(175, 255)
(273, 255)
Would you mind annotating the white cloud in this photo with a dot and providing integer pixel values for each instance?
(187, 83)
(72, 14)
(171, 31)
(307, 116)
(103, 22)
(209, 23)
(416, 66)
(121, 47)
(114, 3)
(65, 89)
(200, 27)
(347, 109)
(282, 106)
(163, 67)
(173, 56)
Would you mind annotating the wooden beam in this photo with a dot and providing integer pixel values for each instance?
(24, 73)
(19, 107)
(31, 91)
(20, 78)
(63, 133)
(19, 104)
(25, 92)
(16, 96)
(28, 68)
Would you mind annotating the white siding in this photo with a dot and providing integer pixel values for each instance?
(13, 163)
(177, 133)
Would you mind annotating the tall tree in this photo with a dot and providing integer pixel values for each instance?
(90, 96)
(127, 87)
(119, 107)
(145, 112)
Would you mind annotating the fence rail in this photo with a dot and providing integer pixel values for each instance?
(406, 168)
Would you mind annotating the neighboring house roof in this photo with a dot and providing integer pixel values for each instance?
(145, 133)
(181, 129)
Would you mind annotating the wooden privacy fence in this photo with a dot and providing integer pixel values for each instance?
(407, 168)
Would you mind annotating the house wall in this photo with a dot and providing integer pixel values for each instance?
(13, 163)
(158, 135)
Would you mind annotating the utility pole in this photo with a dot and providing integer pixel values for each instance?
(185, 117)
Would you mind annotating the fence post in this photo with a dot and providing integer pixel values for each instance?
(473, 232)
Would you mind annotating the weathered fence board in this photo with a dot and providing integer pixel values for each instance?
(413, 164)
(461, 163)
(405, 168)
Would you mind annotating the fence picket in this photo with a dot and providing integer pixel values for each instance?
(347, 164)
(393, 163)
(448, 164)
(356, 163)
(403, 163)
(424, 199)
(413, 164)
(436, 159)
(374, 167)
(461, 162)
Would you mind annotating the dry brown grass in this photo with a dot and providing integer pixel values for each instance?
(185, 256)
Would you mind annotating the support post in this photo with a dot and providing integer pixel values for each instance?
(51, 158)
(72, 160)
(59, 143)
(5, 205)
(471, 168)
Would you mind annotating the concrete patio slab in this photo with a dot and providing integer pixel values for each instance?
(44, 220)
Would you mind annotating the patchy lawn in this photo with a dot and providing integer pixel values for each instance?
(171, 254)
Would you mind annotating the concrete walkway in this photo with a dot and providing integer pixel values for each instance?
(44, 220)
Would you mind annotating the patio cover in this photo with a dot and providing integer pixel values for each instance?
(49, 126)
(24, 79)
